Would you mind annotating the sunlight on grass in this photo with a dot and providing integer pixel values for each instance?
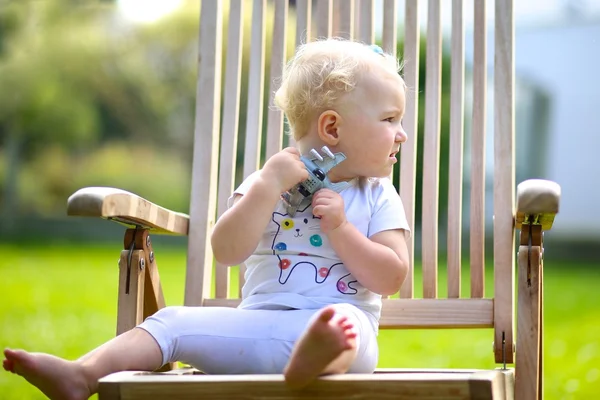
(63, 300)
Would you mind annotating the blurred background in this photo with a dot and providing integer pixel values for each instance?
(102, 93)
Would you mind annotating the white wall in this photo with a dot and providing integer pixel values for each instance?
(565, 61)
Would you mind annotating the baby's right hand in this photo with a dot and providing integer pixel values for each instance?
(285, 169)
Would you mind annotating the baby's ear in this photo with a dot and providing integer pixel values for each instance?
(328, 124)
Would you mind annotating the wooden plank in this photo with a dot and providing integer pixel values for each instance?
(453, 385)
(206, 146)
(527, 381)
(437, 313)
(130, 303)
(343, 19)
(477, 210)
(229, 131)
(420, 313)
(324, 10)
(455, 170)
(538, 199)
(126, 208)
(154, 298)
(278, 57)
(541, 324)
(504, 178)
(303, 21)
(366, 31)
(256, 78)
(408, 151)
(431, 151)
(389, 40)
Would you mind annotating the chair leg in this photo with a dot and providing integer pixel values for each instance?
(140, 291)
(130, 304)
(528, 367)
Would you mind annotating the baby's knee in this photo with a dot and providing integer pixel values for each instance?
(168, 316)
(347, 310)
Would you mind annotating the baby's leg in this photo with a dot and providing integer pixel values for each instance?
(327, 346)
(61, 379)
(219, 340)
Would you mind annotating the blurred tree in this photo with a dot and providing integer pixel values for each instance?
(74, 73)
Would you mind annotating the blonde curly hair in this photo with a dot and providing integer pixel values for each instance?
(320, 74)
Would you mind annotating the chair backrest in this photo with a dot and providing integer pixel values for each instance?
(216, 142)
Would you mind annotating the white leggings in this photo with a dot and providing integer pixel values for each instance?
(222, 340)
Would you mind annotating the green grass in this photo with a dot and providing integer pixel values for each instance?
(62, 300)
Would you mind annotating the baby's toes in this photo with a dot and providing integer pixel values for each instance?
(8, 365)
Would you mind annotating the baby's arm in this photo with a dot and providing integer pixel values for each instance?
(379, 263)
(239, 229)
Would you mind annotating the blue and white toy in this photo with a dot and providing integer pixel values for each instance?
(318, 167)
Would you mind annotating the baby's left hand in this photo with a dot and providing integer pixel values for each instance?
(329, 206)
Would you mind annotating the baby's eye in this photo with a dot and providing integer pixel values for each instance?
(390, 119)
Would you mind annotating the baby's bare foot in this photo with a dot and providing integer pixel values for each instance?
(327, 346)
(55, 377)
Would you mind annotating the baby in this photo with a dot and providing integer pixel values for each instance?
(312, 298)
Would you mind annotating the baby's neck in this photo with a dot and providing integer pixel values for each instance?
(307, 143)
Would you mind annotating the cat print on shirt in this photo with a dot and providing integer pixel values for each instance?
(304, 229)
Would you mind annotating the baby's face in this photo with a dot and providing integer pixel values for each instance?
(372, 132)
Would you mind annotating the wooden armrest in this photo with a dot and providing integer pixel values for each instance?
(126, 208)
(537, 201)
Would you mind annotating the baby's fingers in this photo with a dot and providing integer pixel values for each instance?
(318, 211)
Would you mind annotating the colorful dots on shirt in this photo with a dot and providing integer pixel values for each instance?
(323, 272)
(342, 286)
(280, 246)
(316, 240)
(287, 223)
(284, 263)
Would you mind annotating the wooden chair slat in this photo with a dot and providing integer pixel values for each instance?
(366, 31)
(528, 322)
(408, 153)
(278, 56)
(389, 40)
(303, 21)
(477, 210)
(324, 8)
(343, 19)
(203, 203)
(256, 77)
(504, 178)
(420, 313)
(229, 129)
(431, 151)
(456, 149)
(384, 384)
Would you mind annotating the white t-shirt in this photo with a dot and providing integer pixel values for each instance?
(294, 265)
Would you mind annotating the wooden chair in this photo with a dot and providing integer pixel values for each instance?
(214, 166)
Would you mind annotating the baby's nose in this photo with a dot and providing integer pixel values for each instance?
(401, 135)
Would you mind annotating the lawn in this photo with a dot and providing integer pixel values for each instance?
(62, 300)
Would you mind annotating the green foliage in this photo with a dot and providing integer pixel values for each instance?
(159, 176)
(74, 75)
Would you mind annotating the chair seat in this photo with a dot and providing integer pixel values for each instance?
(383, 384)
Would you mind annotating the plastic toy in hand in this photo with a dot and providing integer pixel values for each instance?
(318, 167)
